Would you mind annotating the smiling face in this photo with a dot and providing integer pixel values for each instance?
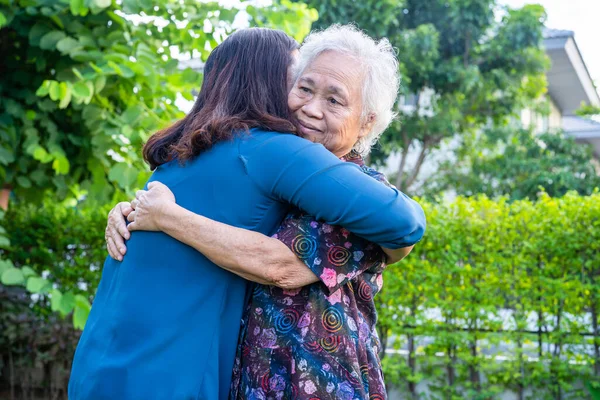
(326, 100)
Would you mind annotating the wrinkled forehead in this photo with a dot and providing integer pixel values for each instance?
(333, 71)
(343, 61)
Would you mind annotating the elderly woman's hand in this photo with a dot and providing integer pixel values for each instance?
(148, 207)
(116, 230)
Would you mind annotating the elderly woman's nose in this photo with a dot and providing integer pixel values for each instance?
(312, 109)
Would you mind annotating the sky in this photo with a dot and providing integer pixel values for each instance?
(580, 16)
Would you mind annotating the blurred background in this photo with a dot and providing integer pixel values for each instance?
(498, 134)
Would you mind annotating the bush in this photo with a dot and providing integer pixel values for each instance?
(64, 246)
(498, 296)
(517, 280)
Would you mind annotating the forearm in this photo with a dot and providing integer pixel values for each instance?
(249, 254)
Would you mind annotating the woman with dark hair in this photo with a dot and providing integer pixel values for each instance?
(165, 321)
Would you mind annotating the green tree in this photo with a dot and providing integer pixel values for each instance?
(462, 67)
(85, 82)
(520, 164)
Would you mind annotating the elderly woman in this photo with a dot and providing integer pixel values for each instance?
(318, 341)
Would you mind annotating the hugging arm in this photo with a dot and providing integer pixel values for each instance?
(321, 184)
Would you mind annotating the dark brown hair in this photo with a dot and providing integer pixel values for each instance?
(245, 86)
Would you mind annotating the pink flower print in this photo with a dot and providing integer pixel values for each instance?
(335, 297)
(314, 224)
(309, 387)
(379, 281)
(329, 277)
(327, 228)
(347, 245)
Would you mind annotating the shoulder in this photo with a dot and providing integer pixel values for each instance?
(259, 144)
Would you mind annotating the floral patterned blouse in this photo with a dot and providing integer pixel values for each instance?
(317, 342)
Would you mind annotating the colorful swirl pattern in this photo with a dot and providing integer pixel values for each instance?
(313, 347)
(286, 320)
(330, 344)
(338, 256)
(304, 246)
(364, 291)
(364, 372)
(332, 319)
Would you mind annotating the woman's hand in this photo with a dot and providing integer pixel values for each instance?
(149, 206)
(116, 230)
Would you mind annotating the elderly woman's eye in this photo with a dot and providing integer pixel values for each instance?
(333, 101)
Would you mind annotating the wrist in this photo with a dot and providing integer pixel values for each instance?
(167, 215)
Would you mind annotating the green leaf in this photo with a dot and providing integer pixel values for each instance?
(43, 89)
(5, 265)
(4, 242)
(24, 182)
(131, 115)
(36, 284)
(82, 90)
(6, 156)
(77, 7)
(100, 83)
(61, 165)
(54, 90)
(37, 31)
(67, 303)
(66, 45)
(123, 174)
(13, 276)
(65, 94)
(102, 3)
(50, 39)
(2, 20)
(28, 271)
(55, 300)
(80, 316)
(42, 155)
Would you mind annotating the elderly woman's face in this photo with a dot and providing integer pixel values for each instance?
(327, 102)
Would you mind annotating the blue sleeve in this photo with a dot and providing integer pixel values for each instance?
(291, 169)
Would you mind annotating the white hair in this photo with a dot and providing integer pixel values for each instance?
(380, 68)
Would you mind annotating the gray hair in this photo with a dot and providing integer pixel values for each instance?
(381, 76)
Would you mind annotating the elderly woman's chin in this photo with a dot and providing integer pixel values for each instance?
(310, 134)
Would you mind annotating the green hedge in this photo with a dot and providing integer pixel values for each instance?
(59, 252)
(454, 314)
(484, 269)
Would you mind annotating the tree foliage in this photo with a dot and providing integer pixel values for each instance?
(462, 68)
(519, 164)
(85, 82)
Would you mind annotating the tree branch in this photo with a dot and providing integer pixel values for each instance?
(403, 157)
(418, 165)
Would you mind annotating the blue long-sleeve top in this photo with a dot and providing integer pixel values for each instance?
(165, 320)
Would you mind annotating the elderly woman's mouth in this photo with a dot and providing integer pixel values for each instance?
(308, 129)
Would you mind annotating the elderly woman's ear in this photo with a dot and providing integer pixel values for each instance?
(367, 125)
